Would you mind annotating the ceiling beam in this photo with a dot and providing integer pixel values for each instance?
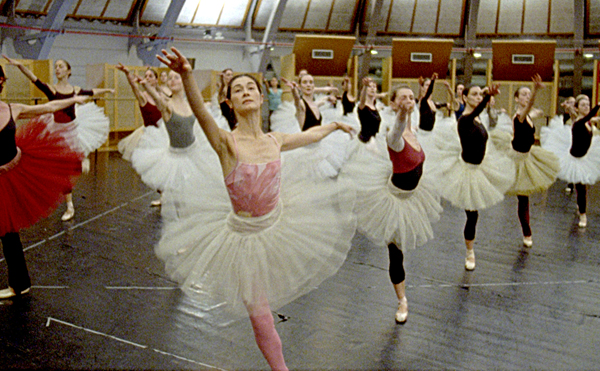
(578, 34)
(270, 33)
(37, 46)
(374, 26)
(470, 32)
(147, 48)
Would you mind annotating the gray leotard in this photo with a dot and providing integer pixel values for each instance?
(181, 130)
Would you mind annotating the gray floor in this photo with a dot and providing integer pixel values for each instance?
(101, 300)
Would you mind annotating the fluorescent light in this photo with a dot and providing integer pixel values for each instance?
(588, 55)
(477, 55)
(373, 51)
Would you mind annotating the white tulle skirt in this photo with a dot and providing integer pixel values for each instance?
(128, 144)
(386, 213)
(536, 170)
(228, 263)
(427, 138)
(465, 185)
(163, 167)
(584, 170)
(93, 127)
(329, 155)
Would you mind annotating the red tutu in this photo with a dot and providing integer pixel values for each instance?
(36, 184)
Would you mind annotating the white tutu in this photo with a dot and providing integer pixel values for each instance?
(536, 170)
(215, 111)
(427, 138)
(465, 185)
(283, 119)
(385, 213)
(584, 170)
(92, 127)
(128, 144)
(556, 122)
(225, 262)
(163, 167)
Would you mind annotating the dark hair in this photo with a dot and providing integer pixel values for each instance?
(237, 77)
(66, 63)
(518, 91)
(3, 77)
(153, 72)
(395, 91)
(456, 87)
(468, 88)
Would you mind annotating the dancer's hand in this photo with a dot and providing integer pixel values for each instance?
(366, 81)
(176, 61)
(421, 80)
(434, 76)
(120, 67)
(492, 90)
(346, 128)
(11, 61)
(537, 82)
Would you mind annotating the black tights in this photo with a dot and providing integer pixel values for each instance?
(523, 211)
(397, 274)
(18, 277)
(581, 197)
(471, 224)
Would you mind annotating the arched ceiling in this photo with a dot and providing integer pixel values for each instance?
(444, 18)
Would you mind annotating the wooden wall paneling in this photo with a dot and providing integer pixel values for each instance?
(288, 71)
(386, 75)
(504, 69)
(596, 84)
(402, 49)
(342, 49)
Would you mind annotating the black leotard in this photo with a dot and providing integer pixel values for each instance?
(582, 137)
(426, 115)
(473, 135)
(8, 145)
(524, 135)
(310, 119)
(66, 114)
(369, 122)
(346, 104)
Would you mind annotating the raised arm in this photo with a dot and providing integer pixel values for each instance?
(312, 135)
(26, 71)
(326, 90)
(300, 107)
(453, 103)
(26, 111)
(394, 136)
(362, 100)
(537, 85)
(216, 136)
(134, 85)
(587, 117)
(161, 101)
(430, 88)
(267, 86)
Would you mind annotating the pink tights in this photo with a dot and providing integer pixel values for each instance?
(267, 338)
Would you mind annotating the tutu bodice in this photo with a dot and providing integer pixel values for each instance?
(181, 130)
(582, 136)
(65, 115)
(254, 188)
(310, 119)
(150, 114)
(473, 135)
(523, 136)
(370, 120)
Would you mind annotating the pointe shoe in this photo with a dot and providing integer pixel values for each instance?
(568, 189)
(69, 214)
(155, 203)
(402, 312)
(10, 293)
(527, 241)
(470, 260)
(582, 221)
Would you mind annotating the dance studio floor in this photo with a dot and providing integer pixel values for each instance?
(101, 299)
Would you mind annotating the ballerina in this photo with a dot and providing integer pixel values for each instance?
(37, 162)
(396, 202)
(367, 112)
(470, 173)
(536, 167)
(278, 242)
(88, 121)
(150, 113)
(578, 151)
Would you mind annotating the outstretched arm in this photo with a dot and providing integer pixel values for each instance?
(216, 136)
(453, 103)
(589, 116)
(26, 111)
(362, 101)
(537, 85)
(430, 88)
(312, 135)
(26, 71)
(131, 79)
(161, 101)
